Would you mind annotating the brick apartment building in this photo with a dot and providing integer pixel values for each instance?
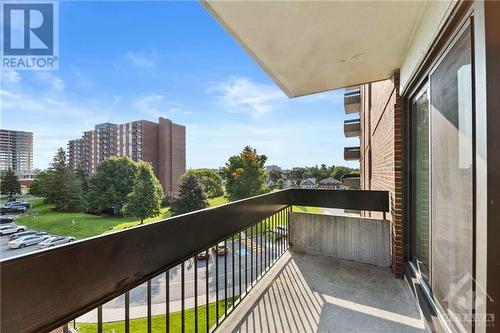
(16, 153)
(163, 144)
(379, 127)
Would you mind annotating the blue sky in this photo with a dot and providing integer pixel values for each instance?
(123, 61)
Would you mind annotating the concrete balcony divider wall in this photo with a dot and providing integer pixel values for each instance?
(364, 240)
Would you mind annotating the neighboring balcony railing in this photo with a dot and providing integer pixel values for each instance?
(51, 288)
(352, 153)
(352, 100)
(352, 128)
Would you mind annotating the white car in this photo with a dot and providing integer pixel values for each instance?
(55, 240)
(26, 241)
(11, 229)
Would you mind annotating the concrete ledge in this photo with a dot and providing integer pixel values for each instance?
(363, 240)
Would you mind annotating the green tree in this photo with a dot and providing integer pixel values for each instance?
(9, 184)
(340, 171)
(63, 188)
(38, 186)
(275, 175)
(111, 184)
(245, 174)
(190, 196)
(281, 184)
(145, 199)
(210, 179)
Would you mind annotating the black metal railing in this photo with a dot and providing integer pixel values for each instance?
(149, 279)
(227, 274)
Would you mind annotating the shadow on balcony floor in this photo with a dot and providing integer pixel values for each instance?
(307, 293)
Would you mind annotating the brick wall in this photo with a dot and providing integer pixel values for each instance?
(382, 155)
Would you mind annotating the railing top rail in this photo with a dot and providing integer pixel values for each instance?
(45, 289)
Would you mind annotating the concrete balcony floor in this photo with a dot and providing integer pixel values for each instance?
(308, 293)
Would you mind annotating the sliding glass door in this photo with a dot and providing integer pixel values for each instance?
(442, 191)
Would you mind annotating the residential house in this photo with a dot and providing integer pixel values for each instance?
(330, 183)
(309, 183)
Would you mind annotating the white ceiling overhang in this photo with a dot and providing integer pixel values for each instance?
(312, 46)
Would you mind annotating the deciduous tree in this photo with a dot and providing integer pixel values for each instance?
(210, 179)
(245, 174)
(145, 199)
(111, 184)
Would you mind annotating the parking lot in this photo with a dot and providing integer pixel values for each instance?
(6, 252)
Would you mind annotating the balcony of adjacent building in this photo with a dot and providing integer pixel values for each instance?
(352, 128)
(267, 269)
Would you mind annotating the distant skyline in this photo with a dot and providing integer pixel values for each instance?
(125, 61)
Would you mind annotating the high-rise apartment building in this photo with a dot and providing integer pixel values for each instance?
(16, 152)
(163, 144)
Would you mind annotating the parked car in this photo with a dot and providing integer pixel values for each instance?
(202, 255)
(21, 242)
(6, 220)
(16, 209)
(24, 204)
(28, 233)
(281, 231)
(220, 249)
(11, 229)
(55, 240)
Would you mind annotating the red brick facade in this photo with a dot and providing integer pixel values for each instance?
(382, 155)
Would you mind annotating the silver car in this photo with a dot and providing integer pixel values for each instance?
(11, 229)
(56, 240)
(26, 241)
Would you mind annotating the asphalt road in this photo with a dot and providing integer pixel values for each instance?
(138, 296)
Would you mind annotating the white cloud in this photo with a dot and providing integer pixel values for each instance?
(53, 81)
(142, 59)
(11, 77)
(149, 104)
(155, 105)
(53, 120)
(242, 95)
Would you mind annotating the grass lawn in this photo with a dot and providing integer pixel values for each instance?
(158, 323)
(217, 201)
(304, 209)
(83, 225)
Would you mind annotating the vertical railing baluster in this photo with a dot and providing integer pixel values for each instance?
(207, 292)
(149, 305)
(232, 276)
(261, 247)
(127, 312)
(274, 238)
(282, 235)
(246, 260)
(217, 284)
(195, 294)
(183, 294)
(251, 259)
(99, 319)
(239, 265)
(225, 277)
(167, 300)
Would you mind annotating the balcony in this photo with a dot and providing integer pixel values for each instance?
(352, 128)
(352, 154)
(313, 272)
(352, 100)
